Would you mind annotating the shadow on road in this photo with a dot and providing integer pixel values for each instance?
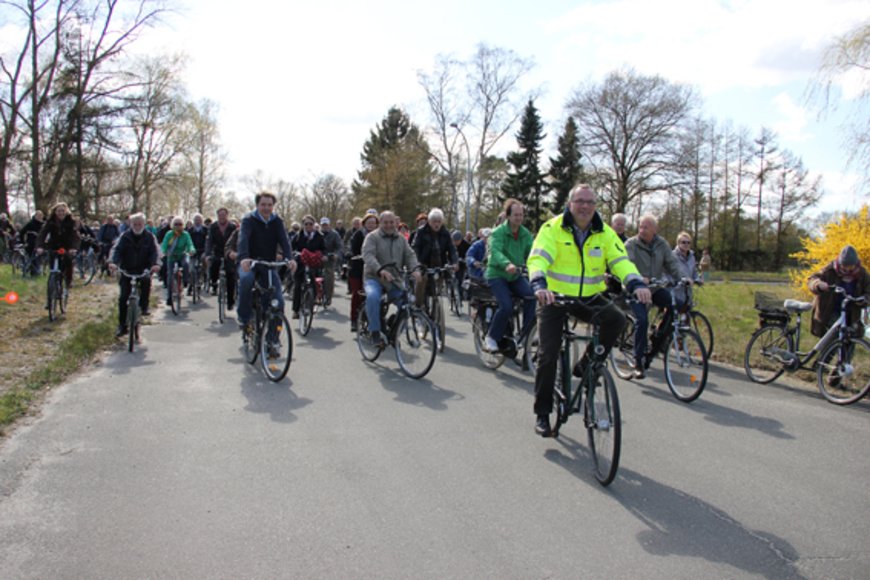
(680, 524)
(264, 396)
(124, 362)
(318, 338)
(417, 392)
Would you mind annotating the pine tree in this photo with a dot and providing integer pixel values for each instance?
(565, 170)
(525, 181)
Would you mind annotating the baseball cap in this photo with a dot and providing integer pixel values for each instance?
(324, 221)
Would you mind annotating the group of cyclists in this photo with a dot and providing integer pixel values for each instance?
(574, 254)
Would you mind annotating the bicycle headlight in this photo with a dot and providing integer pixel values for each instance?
(274, 303)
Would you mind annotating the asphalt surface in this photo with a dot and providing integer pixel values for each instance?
(182, 461)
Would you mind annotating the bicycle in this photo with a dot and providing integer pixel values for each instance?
(222, 295)
(86, 262)
(595, 397)
(686, 363)
(310, 296)
(454, 294)
(843, 364)
(269, 337)
(133, 314)
(515, 345)
(175, 287)
(56, 291)
(407, 329)
(434, 306)
(195, 288)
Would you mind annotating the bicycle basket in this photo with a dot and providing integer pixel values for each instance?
(480, 292)
(770, 308)
(311, 259)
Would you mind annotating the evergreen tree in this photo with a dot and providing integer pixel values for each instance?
(525, 181)
(565, 170)
(397, 172)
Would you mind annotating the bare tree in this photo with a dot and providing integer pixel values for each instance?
(328, 196)
(204, 158)
(766, 148)
(628, 128)
(793, 191)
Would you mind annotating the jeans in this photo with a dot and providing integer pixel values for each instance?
(246, 291)
(662, 299)
(504, 291)
(374, 291)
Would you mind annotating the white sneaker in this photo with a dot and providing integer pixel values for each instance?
(491, 344)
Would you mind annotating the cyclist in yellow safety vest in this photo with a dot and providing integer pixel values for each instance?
(570, 256)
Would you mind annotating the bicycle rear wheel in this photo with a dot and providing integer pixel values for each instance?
(415, 344)
(306, 312)
(686, 365)
(603, 426)
(52, 296)
(760, 359)
(491, 360)
(843, 371)
(530, 349)
(368, 348)
(701, 325)
(622, 354)
(276, 346)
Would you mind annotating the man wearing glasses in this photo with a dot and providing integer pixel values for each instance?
(653, 258)
(570, 256)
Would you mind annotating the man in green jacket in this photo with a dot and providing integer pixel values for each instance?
(507, 249)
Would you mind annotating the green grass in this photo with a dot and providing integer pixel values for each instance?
(730, 306)
(781, 277)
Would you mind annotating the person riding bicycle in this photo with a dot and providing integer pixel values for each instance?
(508, 248)
(60, 233)
(333, 248)
(199, 236)
(308, 239)
(846, 272)
(385, 254)
(135, 252)
(434, 248)
(106, 236)
(218, 233)
(570, 255)
(475, 258)
(261, 235)
(177, 247)
(653, 258)
(7, 232)
(687, 264)
(27, 236)
(355, 271)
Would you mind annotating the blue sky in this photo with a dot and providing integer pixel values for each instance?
(301, 85)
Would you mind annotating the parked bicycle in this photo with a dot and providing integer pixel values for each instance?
(269, 336)
(57, 292)
(843, 365)
(134, 315)
(594, 397)
(685, 358)
(407, 328)
(515, 345)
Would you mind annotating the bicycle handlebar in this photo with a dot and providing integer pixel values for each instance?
(266, 264)
(146, 273)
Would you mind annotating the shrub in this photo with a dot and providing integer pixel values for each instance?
(850, 229)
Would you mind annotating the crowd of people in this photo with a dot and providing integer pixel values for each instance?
(575, 254)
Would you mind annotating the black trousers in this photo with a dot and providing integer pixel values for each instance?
(126, 289)
(550, 321)
(230, 269)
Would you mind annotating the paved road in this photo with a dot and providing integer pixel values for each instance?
(181, 461)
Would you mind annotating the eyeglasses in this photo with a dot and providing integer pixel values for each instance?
(685, 242)
(583, 201)
(308, 223)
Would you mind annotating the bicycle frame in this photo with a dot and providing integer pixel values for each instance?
(838, 330)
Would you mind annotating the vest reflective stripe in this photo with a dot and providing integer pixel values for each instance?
(575, 279)
(616, 261)
(543, 254)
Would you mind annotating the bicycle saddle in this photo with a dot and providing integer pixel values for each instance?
(797, 306)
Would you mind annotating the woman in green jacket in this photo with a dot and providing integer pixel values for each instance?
(508, 248)
(177, 245)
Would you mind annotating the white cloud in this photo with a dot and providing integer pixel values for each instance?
(794, 119)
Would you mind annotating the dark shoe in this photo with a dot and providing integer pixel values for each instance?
(379, 340)
(295, 316)
(542, 426)
(122, 331)
(231, 305)
(146, 312)
(169, 301)
(639, 371)
(353, 326)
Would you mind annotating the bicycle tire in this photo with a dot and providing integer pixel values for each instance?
(560, 412)
(622, 354)
(306, 312)
(194, 285)
(276, 346)
(63, 294)
(686, 365)
(51, 296)
(415, 343)
(531, 344)
(758, 360)
(177, 293)
(17, 262)
(603, 426)
(367, 348)
(701, 325)
(251, 336)
(222, 299)
(844, 382)
(439, 322)
(132, 323)
(491, 360)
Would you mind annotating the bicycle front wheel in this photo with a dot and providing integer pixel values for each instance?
(491, 360)
(603, 425)
(276, 346)
(222, 299)
(843, 371)
(52, 296)
(438, 320)
(132, 323)
(368, 348)
(701, 325)
(415, 344)
(686, 365)
(622, 353)
(89, 268)
(761, 360)
(306, 312)
(177, 293)
(531, 345)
